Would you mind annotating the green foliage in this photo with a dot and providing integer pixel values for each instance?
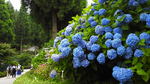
(39, 59)
(6, 52)
(2, 74)
(93, 72)
(6, 23)
(31, 78)
(6, 55)
(27, 31)
(24, 59)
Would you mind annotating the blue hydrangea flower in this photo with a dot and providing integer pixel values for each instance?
(93, 4)
(63, 33)
(144, 36)
(78, 52)
(53, 74)
(117, 36)
(76, 38)
(55, 57)
(118, 23)
(82, 44)
(92, 9)
(68, 30)
(128, 53)
(138, 53)
(108, 43)
(105, 21)
(65, 51)
(91, 19)
(117, 30)
(76, 62)
(91, 56)
(93, 23)
(122, 74)
(88, 45)
(108, 29)
(64, 43)
(101, 58)
(143, 16)
(93, 39)
(115, 68)
(132, 40)
(148, 18)
(142, 1)
(133, 3)
(102, 11)
(102, 1)
(108, 35)
(147, 41)
(99, 30)
(96, 12)
(128, 18)
(148, 23)
(56, 40)
(95, 47)
(116, 43)
(118, 11)
(85, 63)
(121, 50)
(112, 54)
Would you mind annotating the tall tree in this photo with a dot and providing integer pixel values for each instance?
(6, 23)
(51, 12)
(26, 30)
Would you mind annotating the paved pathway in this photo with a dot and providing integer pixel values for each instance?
(6, 80)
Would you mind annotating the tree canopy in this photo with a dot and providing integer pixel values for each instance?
(51, 13)
(6, 23)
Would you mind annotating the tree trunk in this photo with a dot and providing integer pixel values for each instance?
(54, 25)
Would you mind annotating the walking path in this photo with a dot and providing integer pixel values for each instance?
(6, 80)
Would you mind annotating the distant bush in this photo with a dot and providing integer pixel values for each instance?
(2, 74)
(39, 59)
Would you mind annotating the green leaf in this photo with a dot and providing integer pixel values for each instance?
(138, 66)
(141, 72)
(145, 77)
(142, 42)
(135, 60)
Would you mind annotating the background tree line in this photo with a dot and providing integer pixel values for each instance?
(20, 30)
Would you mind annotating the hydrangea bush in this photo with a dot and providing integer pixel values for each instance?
(109, 42)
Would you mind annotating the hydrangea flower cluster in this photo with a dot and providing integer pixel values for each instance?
(132, 40)
(105, 21)
(56, 40)
(102, 1)
(79, 58)
(136, 2)
(64, 48)
(68, 29)
(122, 74)
(92, 22)
(145, 17)
(108, 41)
(53, 73)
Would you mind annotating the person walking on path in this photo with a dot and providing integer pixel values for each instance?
(14, 71)
(19, 69)
(8, 71)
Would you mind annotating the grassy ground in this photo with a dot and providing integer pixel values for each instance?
(30, 78)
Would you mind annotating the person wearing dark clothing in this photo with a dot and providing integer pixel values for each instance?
(13, 71)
